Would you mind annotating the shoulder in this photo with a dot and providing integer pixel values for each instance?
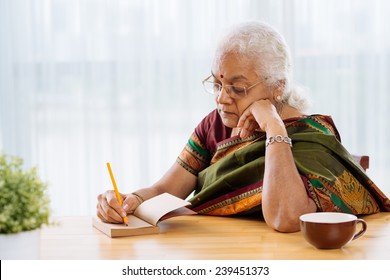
(210, 120)
(211, 130)
(321, 123)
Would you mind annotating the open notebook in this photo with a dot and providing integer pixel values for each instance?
(145, 218)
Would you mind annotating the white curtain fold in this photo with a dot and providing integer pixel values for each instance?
(84, 82)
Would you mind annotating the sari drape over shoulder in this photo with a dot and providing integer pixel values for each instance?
(230, 178)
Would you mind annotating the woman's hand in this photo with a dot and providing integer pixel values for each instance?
(109, 210)
(176, 181)
(262, 115)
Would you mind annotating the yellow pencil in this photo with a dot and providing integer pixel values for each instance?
(116, 191)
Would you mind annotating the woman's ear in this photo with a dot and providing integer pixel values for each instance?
(279, 90)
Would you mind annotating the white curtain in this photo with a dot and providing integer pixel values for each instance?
(84, 82)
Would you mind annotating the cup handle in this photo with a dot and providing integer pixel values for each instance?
(362, 230)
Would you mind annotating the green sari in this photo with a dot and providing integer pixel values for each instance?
(232, 183)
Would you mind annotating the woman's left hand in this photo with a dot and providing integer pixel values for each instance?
(261, 114)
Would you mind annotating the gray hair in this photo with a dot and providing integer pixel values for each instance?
(259, 42)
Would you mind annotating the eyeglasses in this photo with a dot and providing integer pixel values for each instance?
(233, 91)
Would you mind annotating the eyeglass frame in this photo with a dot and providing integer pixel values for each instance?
(220, 86)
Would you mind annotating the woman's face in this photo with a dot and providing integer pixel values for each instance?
(230, 70)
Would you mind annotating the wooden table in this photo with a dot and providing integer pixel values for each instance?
(204, 237)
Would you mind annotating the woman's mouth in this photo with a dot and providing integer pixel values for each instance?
(226, 113)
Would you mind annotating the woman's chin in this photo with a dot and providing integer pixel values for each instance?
(228, 119)
(229, 122)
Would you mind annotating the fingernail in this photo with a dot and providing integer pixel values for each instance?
(126, 207)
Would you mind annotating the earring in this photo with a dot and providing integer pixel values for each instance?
(278, 98)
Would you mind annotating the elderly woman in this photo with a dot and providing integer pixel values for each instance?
(258, 152)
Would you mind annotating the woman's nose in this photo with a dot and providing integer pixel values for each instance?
(223, 96)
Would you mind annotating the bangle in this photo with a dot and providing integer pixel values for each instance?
(139, 197)
(278, 139)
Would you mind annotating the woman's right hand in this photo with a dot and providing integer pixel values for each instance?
(261, 114)
(110, 211)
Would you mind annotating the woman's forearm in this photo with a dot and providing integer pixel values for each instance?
(284, 194)
(176, 181)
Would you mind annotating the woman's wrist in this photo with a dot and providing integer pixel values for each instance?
(278, 139)
(139, 197)
(275, 127)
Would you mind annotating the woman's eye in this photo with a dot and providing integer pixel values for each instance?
(238, 89)
(217, 87)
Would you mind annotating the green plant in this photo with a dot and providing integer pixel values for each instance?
(24, 203)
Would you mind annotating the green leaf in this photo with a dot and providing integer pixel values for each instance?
(24, 202)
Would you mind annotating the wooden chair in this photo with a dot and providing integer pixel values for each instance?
(364, 161)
